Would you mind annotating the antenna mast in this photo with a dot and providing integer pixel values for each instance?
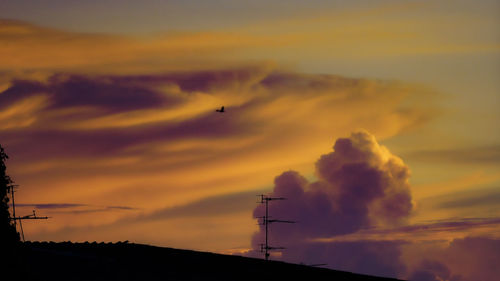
(20, 219)
(264, 199)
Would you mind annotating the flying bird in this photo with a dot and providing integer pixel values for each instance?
(221, 110)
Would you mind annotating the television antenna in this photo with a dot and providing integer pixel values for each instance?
(265, 248)
(20, 219)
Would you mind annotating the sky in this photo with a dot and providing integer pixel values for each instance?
(377, 119)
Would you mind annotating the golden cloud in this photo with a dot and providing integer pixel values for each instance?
(91, 119)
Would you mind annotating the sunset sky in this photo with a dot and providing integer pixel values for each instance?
(107, 111)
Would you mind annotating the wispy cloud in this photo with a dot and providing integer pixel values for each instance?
(439, 230)
(51, 205)
(28, 47)
(227, 204)
(466, 155)
(480, 198)
(71, 208)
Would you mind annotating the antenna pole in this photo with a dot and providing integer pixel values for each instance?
(20, 219)
(266, 221)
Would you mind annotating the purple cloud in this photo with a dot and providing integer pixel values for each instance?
(52, 205)
(430, 270)
(197, 81)
(357, 188)
(74, 90)
(464, 259)
(55, 128)
(73, 208)
(349, 216)
(19, 90)
(99, 92)
(380, 258)
(360, 185)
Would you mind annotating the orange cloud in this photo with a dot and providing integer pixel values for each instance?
(97, 138)
(106, 120)
(25, 48)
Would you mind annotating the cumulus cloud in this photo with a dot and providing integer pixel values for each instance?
(355, 217)
(360, 185)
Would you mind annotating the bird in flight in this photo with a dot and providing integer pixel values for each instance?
(221, 110)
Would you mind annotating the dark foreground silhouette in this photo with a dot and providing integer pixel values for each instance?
(123, 261)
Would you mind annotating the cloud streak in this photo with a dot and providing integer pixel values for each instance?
(481, 154)
(440, 230)
(72, 208)
(27, 47)
(226, 204)
(52, 205)
(491, 199)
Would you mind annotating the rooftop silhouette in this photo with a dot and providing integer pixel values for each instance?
(124, 261)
